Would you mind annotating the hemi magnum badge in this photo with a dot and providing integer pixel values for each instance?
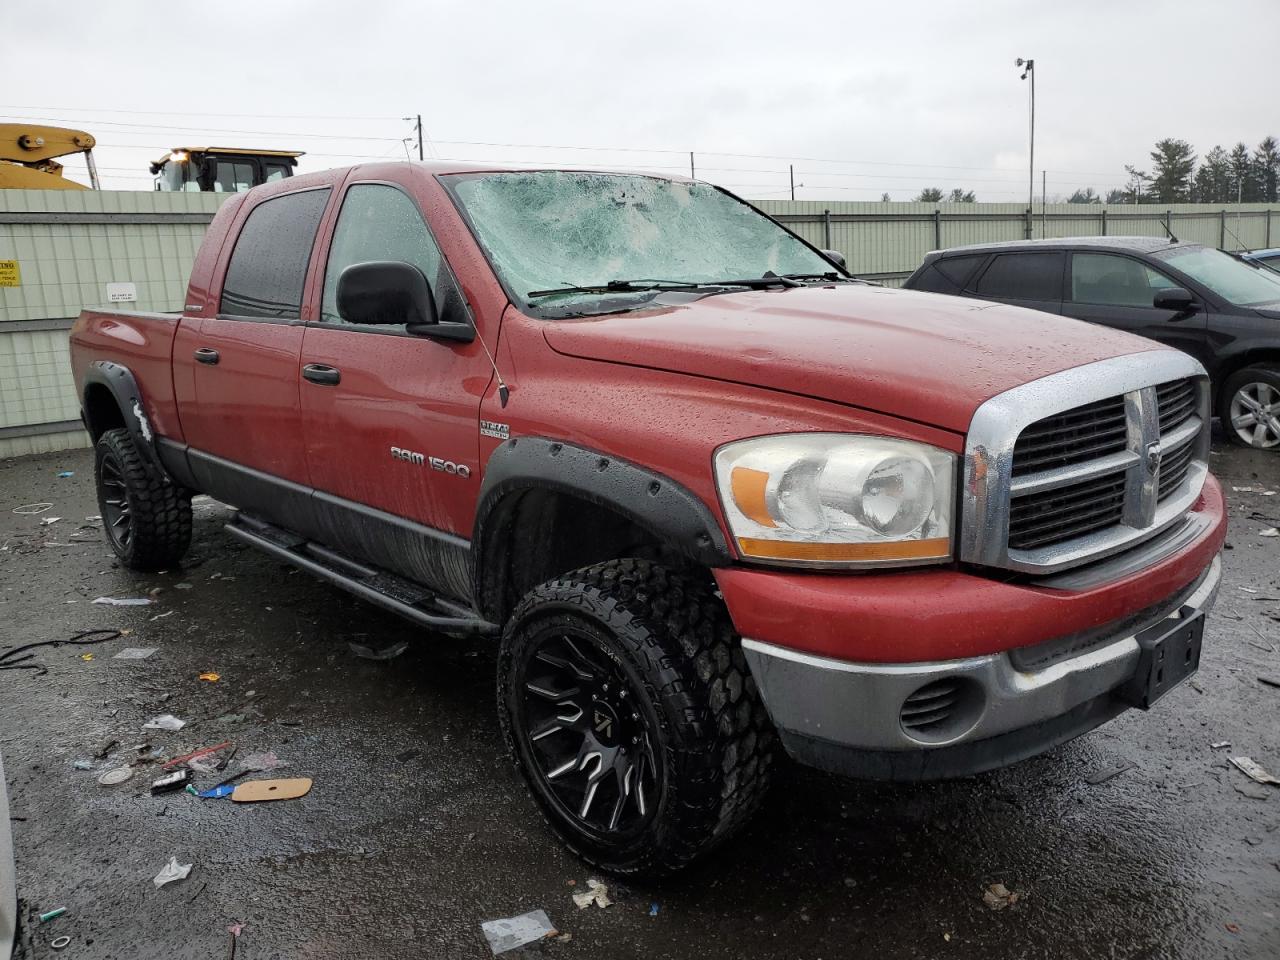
(499, 431)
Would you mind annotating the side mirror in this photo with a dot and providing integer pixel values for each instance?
(1178, 299)
(836, 257)
(386, 291)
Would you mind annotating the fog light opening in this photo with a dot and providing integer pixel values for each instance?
(942, 710)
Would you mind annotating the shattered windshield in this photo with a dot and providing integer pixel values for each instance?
(549, 232)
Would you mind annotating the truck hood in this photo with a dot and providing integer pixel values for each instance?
(922, 356)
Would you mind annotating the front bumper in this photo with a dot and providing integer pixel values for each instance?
(859, 719)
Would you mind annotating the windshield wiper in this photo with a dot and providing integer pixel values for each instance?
(824, 277)
(622, 286)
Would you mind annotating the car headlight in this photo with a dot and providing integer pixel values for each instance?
(838, 500)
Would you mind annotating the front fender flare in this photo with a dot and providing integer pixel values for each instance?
(650, 500)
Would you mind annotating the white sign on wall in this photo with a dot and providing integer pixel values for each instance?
(125, 292)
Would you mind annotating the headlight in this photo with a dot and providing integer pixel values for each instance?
(831, 499)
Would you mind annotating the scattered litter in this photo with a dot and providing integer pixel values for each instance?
(52, 914)
(125, 601)
(66, 473)
(255, 791)
(82, 765)
(196, 754)
(135, 653)
(102, 751)
(1102, 776)
(1232, 927)
(115, 776)
(171, 782)
(289, 723)
(32, 509)
(182, 586)
(654, 908)
(1253, 770)
(87, 657)
(203, 766)
(998, 896)
(210, 677)
(161, 616)
(95, 518)
(1220, 745)
(1244, 489)
(10, 659)
(262, 762)
(1270, 532)
(166, 721)
(235, 929)
(512, 932)
(386, 653)
(596, 893)
(1253, 841)
(217, 793)
(233, 778)
(172, 871)
(49, 521)
(61, 943)
(1269, 681)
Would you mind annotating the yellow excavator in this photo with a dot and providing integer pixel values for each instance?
(28, 152)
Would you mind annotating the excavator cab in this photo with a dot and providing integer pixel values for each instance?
(221, 169)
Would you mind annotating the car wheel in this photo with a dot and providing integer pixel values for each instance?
(147, 520)
(1251, 407)
(626, 702)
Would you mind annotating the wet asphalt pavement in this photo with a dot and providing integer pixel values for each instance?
(417, 828)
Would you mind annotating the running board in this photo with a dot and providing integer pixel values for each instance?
(387, 590)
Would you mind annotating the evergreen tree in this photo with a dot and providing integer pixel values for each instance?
(961, 196)
(929, 195)
(1086, 195)
(1242, 184)
(1213, 179)
(1172, 164)
(1267, 170)
(1118, 196)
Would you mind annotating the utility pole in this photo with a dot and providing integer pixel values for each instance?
(1029, 70)
(693, 175)
(420, 157)
(793, 180)
(1044, 200)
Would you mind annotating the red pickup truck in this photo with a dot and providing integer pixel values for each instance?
(710, 495)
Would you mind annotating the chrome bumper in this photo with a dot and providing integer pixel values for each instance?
(860, 705)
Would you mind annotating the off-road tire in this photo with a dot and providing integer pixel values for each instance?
(1264, 374)
(159, 512)
(672, 637)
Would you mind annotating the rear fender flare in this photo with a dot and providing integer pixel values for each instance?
(123, 386)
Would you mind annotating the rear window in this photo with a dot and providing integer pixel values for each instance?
(948, 274)
(269, 264)
(1023, 276)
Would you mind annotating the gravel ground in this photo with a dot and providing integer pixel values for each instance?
(417, 828)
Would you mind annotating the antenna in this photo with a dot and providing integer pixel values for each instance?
(1172, 238)
(504, 392)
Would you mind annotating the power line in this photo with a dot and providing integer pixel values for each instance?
(192, 113)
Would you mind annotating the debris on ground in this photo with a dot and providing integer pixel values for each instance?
(998, 896)
(654, 908)
(49, 521)
(82, 765)
(52, 914)
(32, 509)
(1270, 681)
(1102, 776)
(255, 791)
(217, 793)
(115, 776)
(171, 871)
(1253, 770)
(1270, 532)
(1220, 745)
(512, 932)
(135, 653)
(66, 473)
(166, 721)
(19, 658)
(171, 782)
(125, 601)
(106, 748)
(262, 762)
(61, 943)
(596, 893)
(210, 677)
(197, 754)
(386, 653)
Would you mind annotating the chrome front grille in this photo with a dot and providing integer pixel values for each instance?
(1085, 463)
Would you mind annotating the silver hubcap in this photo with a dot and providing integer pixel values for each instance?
(1255, 415)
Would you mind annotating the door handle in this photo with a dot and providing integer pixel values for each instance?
(322, 373)
(208, 355)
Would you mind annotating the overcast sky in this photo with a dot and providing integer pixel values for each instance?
(905, 95)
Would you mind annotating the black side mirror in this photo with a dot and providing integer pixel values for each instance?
(836, 257)
(386, 291)
(1178, 299)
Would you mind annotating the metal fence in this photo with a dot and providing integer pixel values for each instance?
(62, 251)
(887, 241)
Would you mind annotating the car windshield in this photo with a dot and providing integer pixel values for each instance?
(1235, 282)
(549, 232)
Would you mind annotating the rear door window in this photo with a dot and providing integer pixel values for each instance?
(1022, 276)
(1111, 280)
(269, 264)
(948, 274)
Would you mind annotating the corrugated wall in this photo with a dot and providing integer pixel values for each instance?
(887, 241)
(68, 246)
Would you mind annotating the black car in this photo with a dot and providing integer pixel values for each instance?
(1223, 312)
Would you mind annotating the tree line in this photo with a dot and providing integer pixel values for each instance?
(1177, 175)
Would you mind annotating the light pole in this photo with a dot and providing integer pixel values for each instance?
(1029, 71)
